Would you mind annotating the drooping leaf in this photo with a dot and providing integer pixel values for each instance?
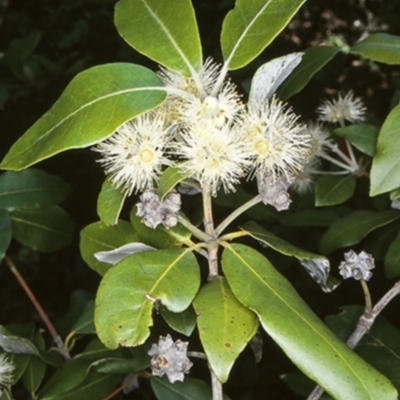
(270, 75)
(225, 326)
(183, 322)
(164, 31)
(316, 351)
(392, 257)
(316, 265)
(161, 237)
(95, 103)
(31, 187)
(314, 59)
(380, 346)
(44, 228)
(385, 171)
(36, 369)
(115, 256)
(331, 190)
(351, 229)
(5, 232)
(381, 47)
(252, 26)
(125, 298)
(362, 136)
(168, 180)
(109, 203)
(98, 237)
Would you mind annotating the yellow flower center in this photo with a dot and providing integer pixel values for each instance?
(262, 147)
(146, 156)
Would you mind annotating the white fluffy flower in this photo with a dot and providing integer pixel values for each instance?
(135, 154)
(320, 139)
(6, 370)
(277, 143)
(344, 108)
(213, 155)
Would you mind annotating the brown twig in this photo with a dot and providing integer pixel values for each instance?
(57, 339)
(122, 387)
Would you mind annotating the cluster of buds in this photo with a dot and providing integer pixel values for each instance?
(357, 266)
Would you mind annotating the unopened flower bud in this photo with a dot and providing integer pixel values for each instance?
(273, 191)
(357, 266)
(170, 358)
(155, 211)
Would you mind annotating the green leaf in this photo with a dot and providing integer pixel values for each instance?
(91, 108)
(309, 217)
(380, 346)
(331, 190)
(316, 351)
(84, 324)
(16, 344)
(189, 389)
(164, 31)
(314, 59)
(110, 203)
(392, 257)
(20, 49)
(169, 179)
(45, 228)
(124, 300)
(183, 322)
(385, 171)
(362, 136)
(5, 232)
(351, 229)
(100, 237)
(31, 187)
(225, 326)
(252, 26)
(380, 47)
(36, 369)
(161, 237)
(96, 350)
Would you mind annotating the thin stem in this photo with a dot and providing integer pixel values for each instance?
(230, 218)
(364, 324)
(367, 295)
(57, 339)
(351, 152)
(212, 245)
(216, 386)
(198, 233)
(338, 163)
(220, 80)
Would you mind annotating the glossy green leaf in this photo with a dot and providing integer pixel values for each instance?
(380, 346)
(392, 258)
(251, 26)
(351, 229)
(31, 187)
(91, 108)
(381, 47)
(16, 344)
(183, 322)
(362, 136)
(169, 179)
(225, 326)
(164, 31)
(161, 237)
(385, 171)
(315, 349)
(100, 237)
(276, 243)
(126, 295)
(96, 350)
(189, 389)
(5, 232)
(84, 324)
(331, 190)
(36, 369)
(44, 228)
(309, 217)
(394, 194)
(109, 203)
(314, 59)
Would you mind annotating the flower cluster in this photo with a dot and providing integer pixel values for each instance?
(357, 266)
(206, 131)
(170, 358)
